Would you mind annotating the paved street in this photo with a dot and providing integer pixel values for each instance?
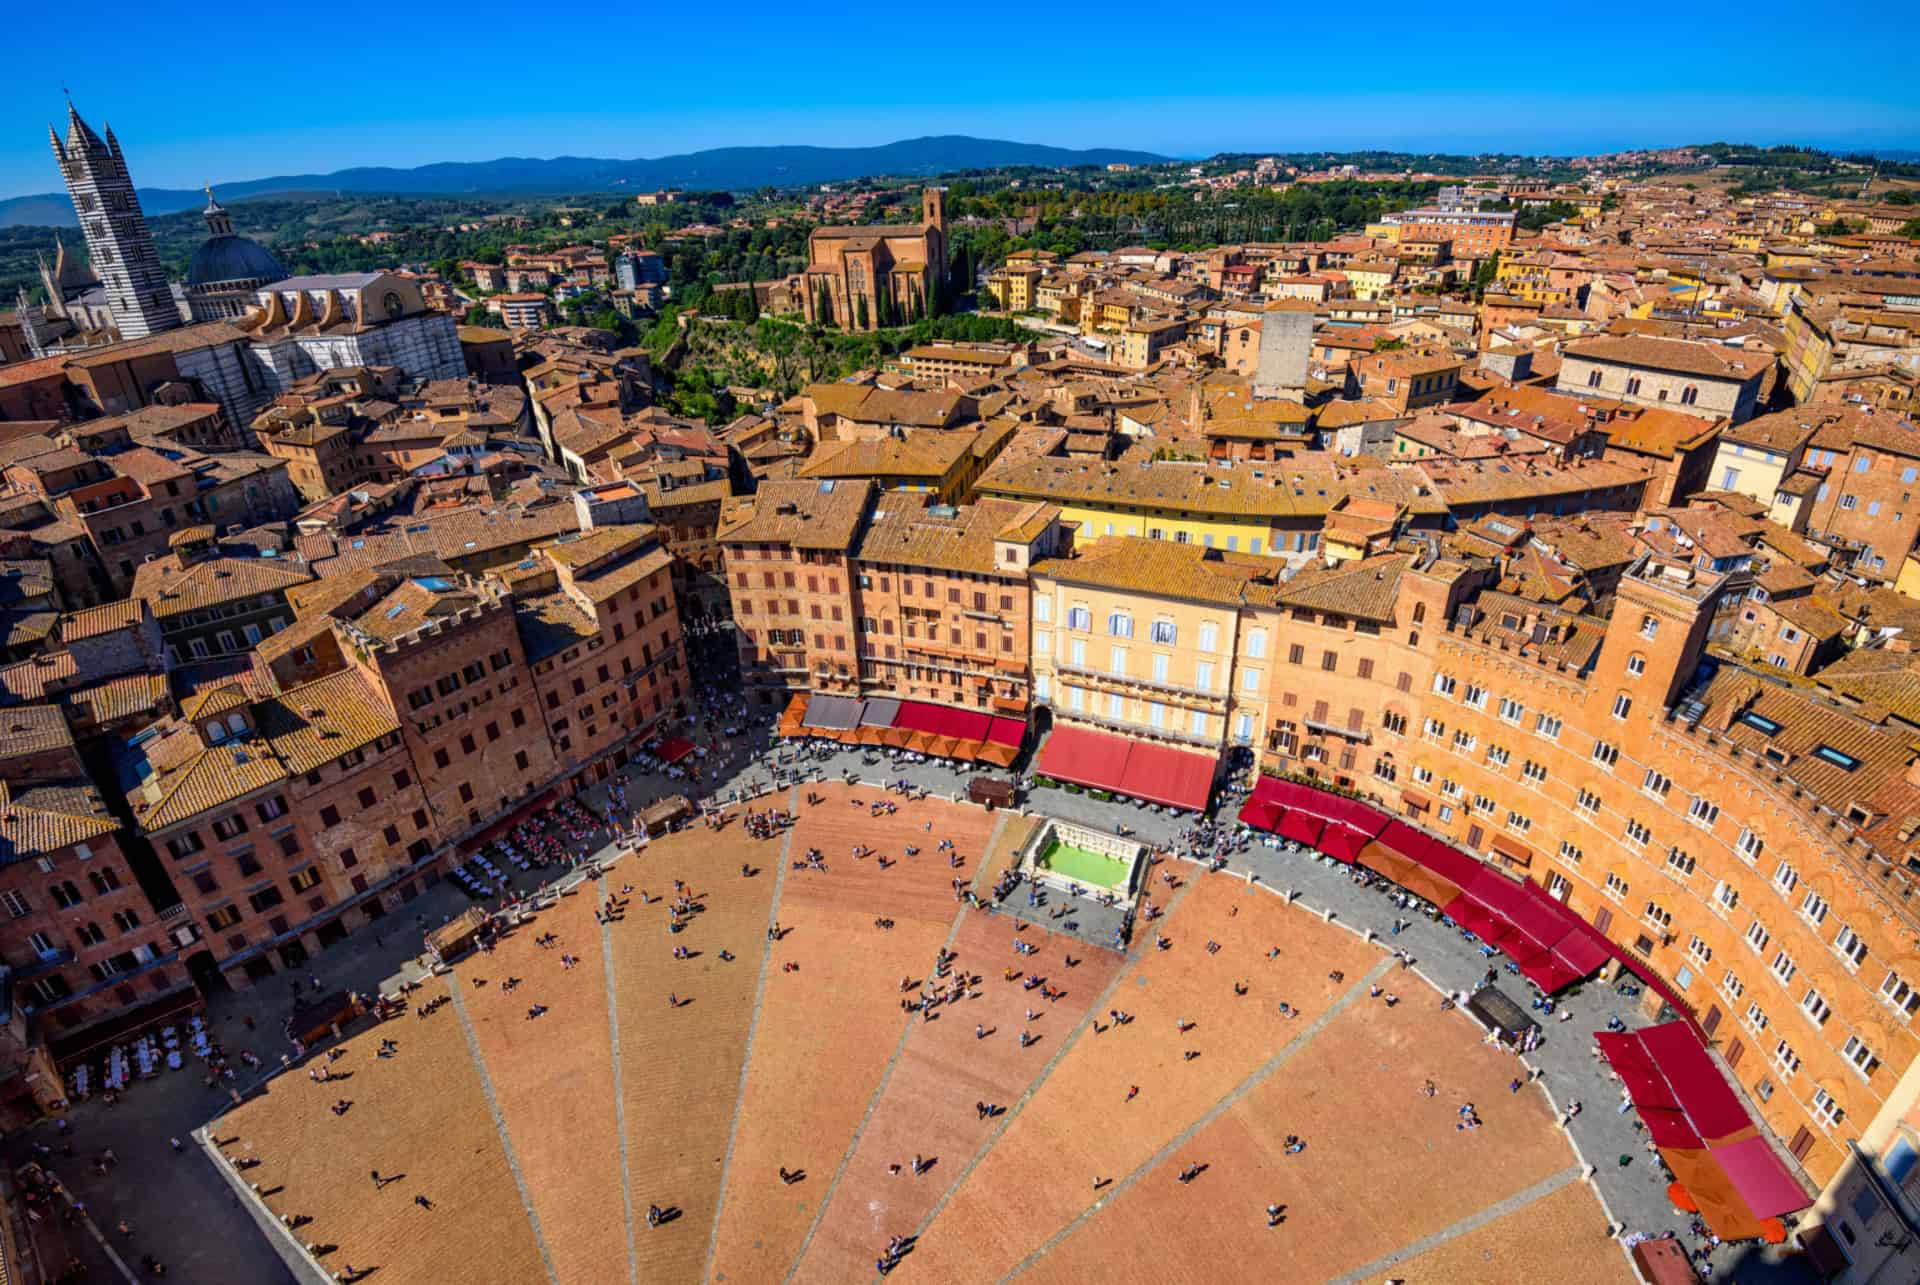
(179, 1209)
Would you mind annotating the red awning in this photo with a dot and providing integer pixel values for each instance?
(1007, 731)
(1680, 1057)
(1669, 1128)
(918, 716)
(673, 749)
(964, 724)
(1762, 1181)
(1083, 757)
(1301, 827)
(1549, 973)
(1260, 815)
(1139, 769)
(1343, 841)
(1162, 774)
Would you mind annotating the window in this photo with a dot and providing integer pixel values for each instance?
(1616, 887)
(1434, 730)
(1587, 801)
(1511, 710)
(1860, 1057)
(16, 904)
(1120, 624)
(1731, 986)
(1702, 812)
(1638, 835)
(1256, 642)
(1748, 845)
(1852, 951)
(1636, 664)
(126, 920)
(1756, 1017)
(1042, 608)
(230, 827)
(1079, 618)
(1464, 741)
(1658, 916)
(1649, 627)
(1546, 725)
(1209, 637)
(1444, 685)
(1698, 948)
(1679, 863)
(1785, 1058)
(1783, 967)
(1655, 784)
(1498, 756)
(1329, 661)
(1813, 908)
(1826, 1109)
(1815, 1006)
(1896, 994)
(1533, 773)
(65, 895)
(304, 879)
(1786, 878)
(1570, 852)
(266, 898)
(1249, 680)
(1725, 896)
(1558, 885)
(1622, 704)
(1606, 755)
(1757, 937)
(1476, 697)
(1164, 633)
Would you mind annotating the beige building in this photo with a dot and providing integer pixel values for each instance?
(1139, 637)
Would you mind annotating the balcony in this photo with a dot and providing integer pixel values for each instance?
(1212, 701)
(1137, 729)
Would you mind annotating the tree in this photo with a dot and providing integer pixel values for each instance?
(860, 312)
(1911, 229)
(1485, 275)
(478, 315)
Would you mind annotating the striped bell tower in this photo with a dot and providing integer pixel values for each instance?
(118, 243)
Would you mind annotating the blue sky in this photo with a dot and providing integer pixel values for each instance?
(402, 83)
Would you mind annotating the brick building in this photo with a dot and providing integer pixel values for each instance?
(789, 558)
(447, 656)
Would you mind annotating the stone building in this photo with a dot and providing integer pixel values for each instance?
(1697, 378)
(864, 277)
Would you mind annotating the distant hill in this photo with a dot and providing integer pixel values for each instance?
(721, 167)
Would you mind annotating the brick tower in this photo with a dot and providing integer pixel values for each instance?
(118, 242)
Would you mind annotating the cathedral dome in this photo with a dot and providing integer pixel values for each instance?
(232, 258)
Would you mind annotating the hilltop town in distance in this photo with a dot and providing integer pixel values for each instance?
(939, 723)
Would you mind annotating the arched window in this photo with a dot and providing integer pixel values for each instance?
(1689, 395)
(392, 304)
(1593, 379)
(1419, 612)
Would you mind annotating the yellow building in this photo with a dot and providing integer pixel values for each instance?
(1249, 506)
(1139, 637)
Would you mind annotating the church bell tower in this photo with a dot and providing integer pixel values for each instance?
(118, 241)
